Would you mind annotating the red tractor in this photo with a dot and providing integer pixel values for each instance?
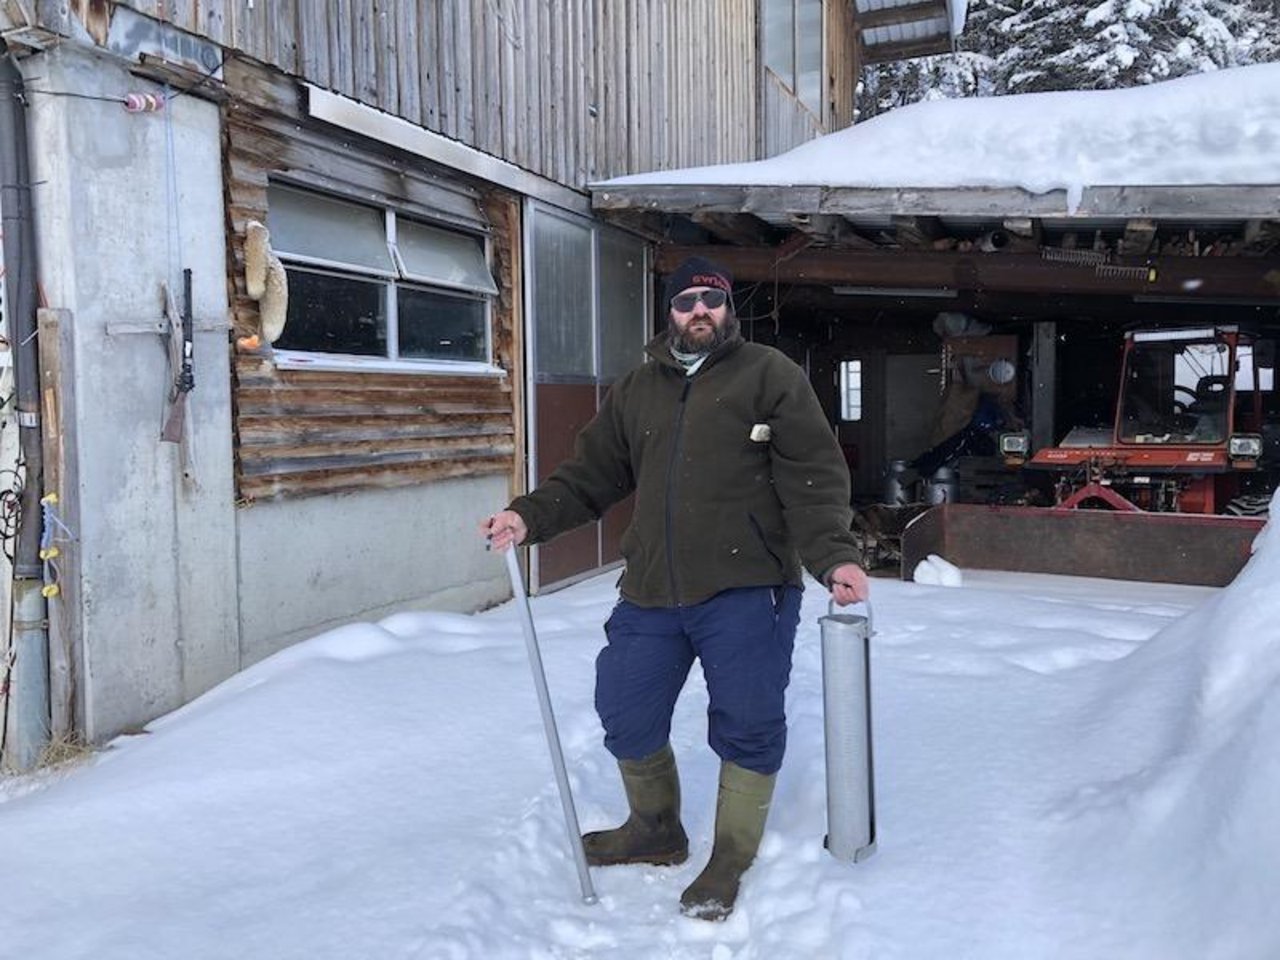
(1188, 432)
(1182, 478)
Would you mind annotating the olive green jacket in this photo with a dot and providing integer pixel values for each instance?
(737, 474)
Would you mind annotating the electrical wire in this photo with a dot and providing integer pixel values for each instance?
(169, 97)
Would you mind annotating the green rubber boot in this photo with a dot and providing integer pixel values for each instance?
(741, 809)
(652, 833)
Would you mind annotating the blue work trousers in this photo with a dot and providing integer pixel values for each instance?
(744, 638)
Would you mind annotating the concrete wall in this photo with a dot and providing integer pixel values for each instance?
(156, 555)
(311, 564)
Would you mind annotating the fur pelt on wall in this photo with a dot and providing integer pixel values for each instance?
(265, 281)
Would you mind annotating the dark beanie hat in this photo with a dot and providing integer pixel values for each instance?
(698, 272)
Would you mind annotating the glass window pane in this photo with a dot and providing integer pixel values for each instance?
(562, 297)
(777, 19)
(809, 53)
(623, 320)
(851, 390)
(311, 225)
(331, 314)
(436, 326)
(442, 256)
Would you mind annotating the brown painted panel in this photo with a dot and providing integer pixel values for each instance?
(615, 521)
(563, 409)
(1158, 547)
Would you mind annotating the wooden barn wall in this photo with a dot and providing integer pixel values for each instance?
(309, 432)
(574, 90)
(842, 76)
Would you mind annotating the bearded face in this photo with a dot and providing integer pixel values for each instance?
(700, 328)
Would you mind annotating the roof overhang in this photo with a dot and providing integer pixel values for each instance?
(875, 205)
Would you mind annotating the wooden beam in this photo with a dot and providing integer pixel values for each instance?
(741, 229)
(831, 230)
(1138, 235)
(1262, 235)
(651, 225)
(1202, 279)
(893, 16)
(918, 233)
(1025, 227)
(886, 52)
(1184, 204)
(791, 247)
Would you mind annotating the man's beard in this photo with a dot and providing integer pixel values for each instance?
(685, 342)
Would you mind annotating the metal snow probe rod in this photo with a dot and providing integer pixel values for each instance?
(549, 724)
(846, 707)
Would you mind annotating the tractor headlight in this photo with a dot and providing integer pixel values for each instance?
(1015, 444)
(1244, 446)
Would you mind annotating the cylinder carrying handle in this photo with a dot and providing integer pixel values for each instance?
(834, 611)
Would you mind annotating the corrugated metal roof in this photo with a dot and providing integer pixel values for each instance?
(907, 32)
(866, 6)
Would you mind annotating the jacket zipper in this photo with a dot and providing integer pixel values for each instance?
(671, 482)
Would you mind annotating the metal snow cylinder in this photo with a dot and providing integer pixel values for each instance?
(846, 705)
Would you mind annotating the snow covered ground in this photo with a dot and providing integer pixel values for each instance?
(1067, 768)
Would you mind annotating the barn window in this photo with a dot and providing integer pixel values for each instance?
(369, 287)
(792, 47)
(851, 390)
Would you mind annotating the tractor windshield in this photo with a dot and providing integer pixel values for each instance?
(1176, 390)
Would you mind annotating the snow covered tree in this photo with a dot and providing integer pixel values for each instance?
(1020, 46)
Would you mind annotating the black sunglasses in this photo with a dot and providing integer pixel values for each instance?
(713, 298)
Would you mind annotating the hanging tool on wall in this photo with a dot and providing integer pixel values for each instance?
(181, 353)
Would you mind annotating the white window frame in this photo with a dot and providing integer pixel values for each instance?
(850, 392)
(393, 280)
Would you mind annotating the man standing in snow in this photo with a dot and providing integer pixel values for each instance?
(738, 480)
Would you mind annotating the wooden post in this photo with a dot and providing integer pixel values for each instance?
(1043, 378)
(57, 403)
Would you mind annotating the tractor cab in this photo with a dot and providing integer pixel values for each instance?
(1187, 432)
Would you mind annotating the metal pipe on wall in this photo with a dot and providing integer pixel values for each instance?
(27, 722)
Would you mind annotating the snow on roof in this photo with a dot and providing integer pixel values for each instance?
(1212, 128)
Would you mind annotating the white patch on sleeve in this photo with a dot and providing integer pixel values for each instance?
(761, 433)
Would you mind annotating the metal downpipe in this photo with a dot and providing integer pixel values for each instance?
(27, 721)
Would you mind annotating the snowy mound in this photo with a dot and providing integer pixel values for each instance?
(1211, 128)
(934, 571)
(1200, 703)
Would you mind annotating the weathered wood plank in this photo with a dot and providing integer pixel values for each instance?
(464, 45)
(488, 82)
(527, 94)
(314, 483)
(511, 110)
(364, 53)
(449, 45)
(313, 48)
(409, 54)
(324, 428)
(429, 70)
(386, 56)
(287, 457)
(553, 79)
(57, 394)
(342, 70)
